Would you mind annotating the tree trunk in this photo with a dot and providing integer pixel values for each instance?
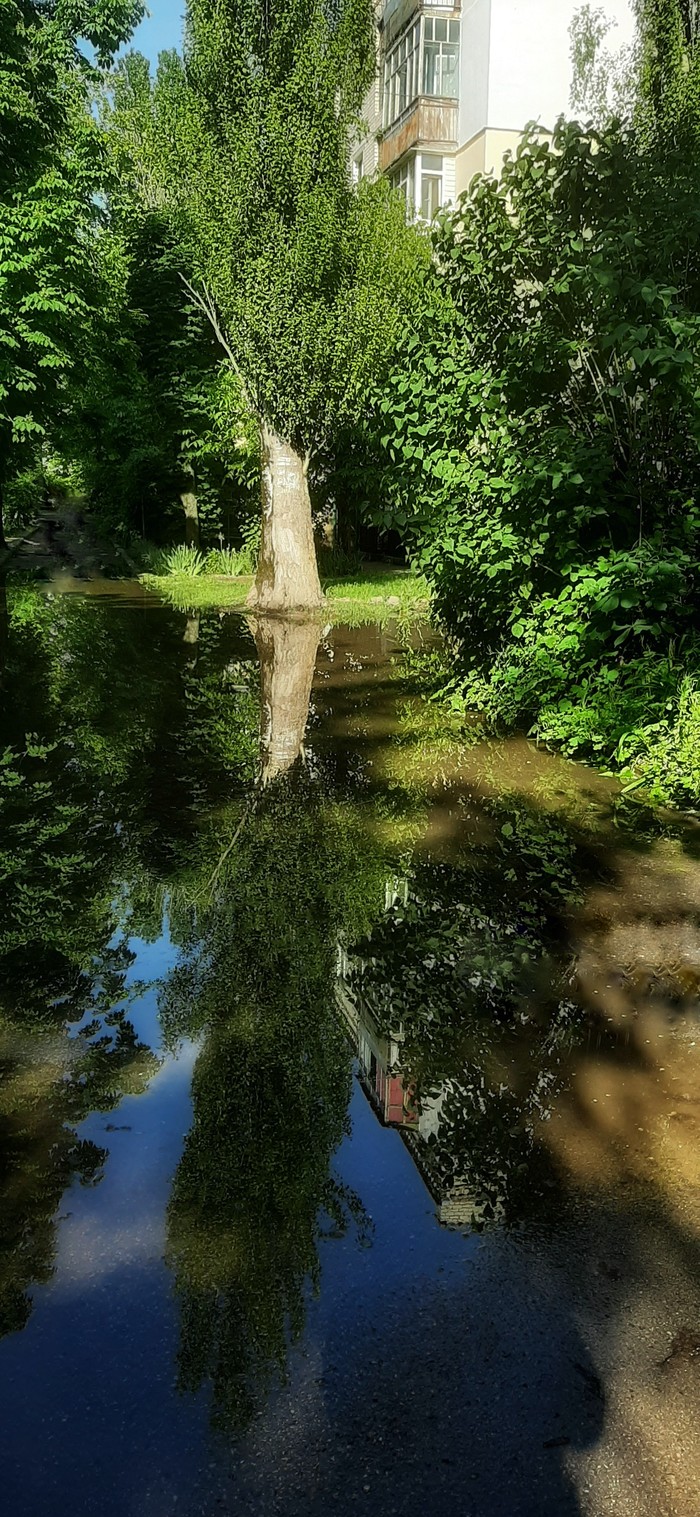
(4, 631)
(287, 652)
(191, 510)
(191, 638)
(287, 578)
(3, 539)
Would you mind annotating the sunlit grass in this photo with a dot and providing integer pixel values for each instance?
(377, 594)
(200, 592)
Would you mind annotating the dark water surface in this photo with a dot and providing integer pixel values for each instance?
(349, 1090)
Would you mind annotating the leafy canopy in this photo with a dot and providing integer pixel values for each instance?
(50, 159)
(306, 278)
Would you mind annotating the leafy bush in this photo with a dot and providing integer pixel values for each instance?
(234, 562)
(222, 561)
(32, 488)
(543, 432)
(545, 406)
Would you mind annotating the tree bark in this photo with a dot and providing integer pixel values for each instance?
(191, 638)
(287, 652)
(191, 510)
(287, 577)
(3, 539)
(4, 631)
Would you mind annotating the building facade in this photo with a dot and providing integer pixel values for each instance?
(457, 83)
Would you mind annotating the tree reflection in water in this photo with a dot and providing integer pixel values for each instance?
(254, 1192)
(99, 811)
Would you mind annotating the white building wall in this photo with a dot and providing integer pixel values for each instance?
(474, 68)
(530, 70)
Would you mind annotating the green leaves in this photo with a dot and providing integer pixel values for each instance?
(49, 213)
(542, 424)
(249, 146)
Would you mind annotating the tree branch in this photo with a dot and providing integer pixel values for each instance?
(207, 307)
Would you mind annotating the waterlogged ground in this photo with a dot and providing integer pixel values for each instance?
(349, 1089)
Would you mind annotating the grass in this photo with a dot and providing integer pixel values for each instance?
(200, 592)
(376, 594)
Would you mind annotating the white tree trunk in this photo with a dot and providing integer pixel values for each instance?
(287, 577)
(287, 651)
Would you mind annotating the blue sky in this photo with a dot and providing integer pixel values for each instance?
(162, 28)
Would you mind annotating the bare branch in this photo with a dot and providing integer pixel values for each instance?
(206, 305)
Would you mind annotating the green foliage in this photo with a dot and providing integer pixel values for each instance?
(184, 559)
(50, 176)
(543, 424)
(603, 76)
(668, 76)
(39, 480)
(305, 278)
(161, 421)
(231, 562)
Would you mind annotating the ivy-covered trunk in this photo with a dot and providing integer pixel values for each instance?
(287, 577)
(287, 650)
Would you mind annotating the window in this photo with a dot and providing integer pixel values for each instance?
(402, 74)
(425, 58)
(358, 168)
(403, 180)
(441, 57)
(430, 185)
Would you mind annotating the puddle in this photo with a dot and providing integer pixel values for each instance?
(349, 1089)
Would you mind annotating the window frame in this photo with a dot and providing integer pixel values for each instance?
(441, 52)
(403, 58)
(403, 180)
(432, 170)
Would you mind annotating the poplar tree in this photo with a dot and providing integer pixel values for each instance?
(668, 82)
(302, 278)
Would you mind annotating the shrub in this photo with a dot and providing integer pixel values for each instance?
(223, 561)
(543, 435)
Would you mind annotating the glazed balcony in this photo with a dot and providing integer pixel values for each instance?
(426, 121)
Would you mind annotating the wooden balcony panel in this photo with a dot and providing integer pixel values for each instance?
(428, 121)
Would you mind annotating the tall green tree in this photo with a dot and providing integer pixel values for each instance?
(161, 427)
(302, 278)
(668, 75)
(50, 158)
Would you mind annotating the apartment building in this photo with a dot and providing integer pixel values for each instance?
(457, 82)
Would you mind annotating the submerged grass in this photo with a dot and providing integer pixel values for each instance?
(638, 721)
(376, 594)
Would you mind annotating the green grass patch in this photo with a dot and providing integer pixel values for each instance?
(200, 592)
(376, 594)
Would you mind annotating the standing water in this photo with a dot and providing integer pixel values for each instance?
(349, 1090)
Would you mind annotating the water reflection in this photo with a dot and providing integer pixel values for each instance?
(100, 776)
(509, 953)
(255, 1191)
(287, 652)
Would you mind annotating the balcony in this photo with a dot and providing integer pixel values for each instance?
(396, 14)
(427, 122)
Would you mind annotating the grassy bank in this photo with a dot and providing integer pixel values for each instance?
(376, 594)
